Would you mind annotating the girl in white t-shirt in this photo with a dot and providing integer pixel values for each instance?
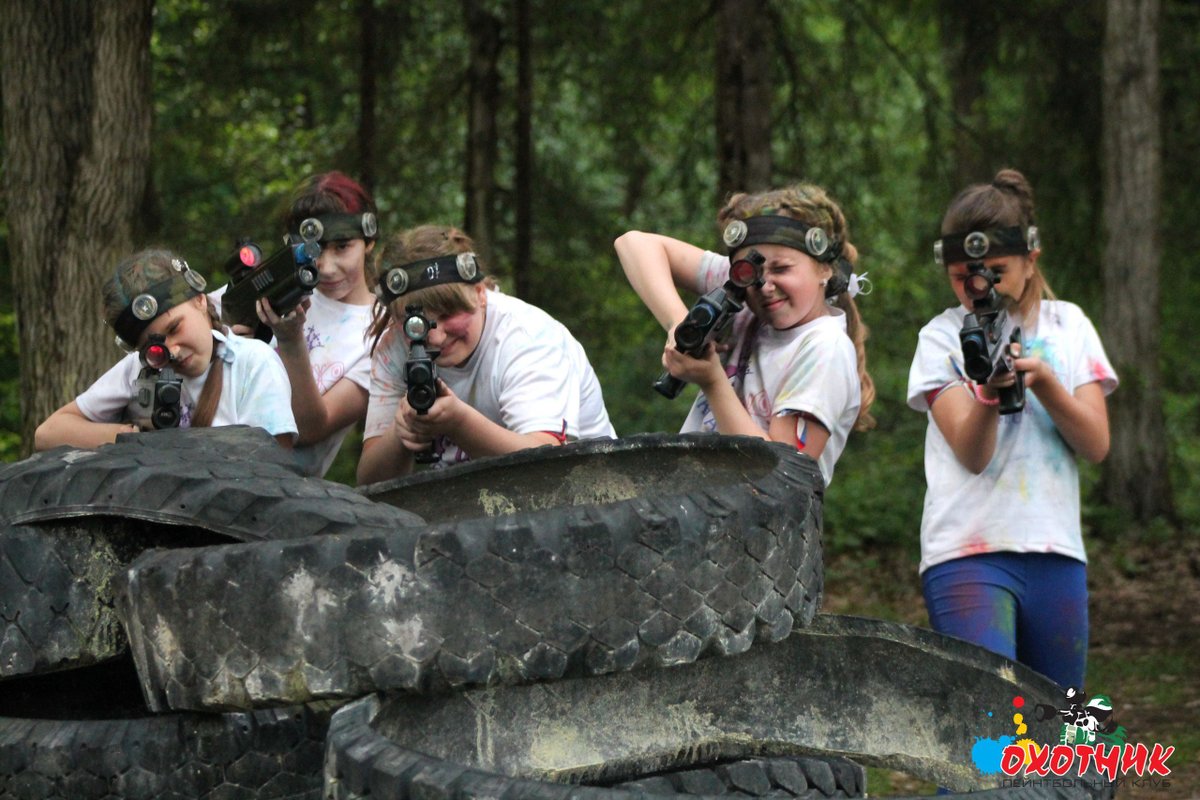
(225, 380)
(323, 341)
(796, 369)
(1002, 556)
(509, 375)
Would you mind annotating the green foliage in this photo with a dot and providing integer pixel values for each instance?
(253, 95)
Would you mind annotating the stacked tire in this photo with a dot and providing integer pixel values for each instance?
(187, 616)
(193, 581)
(75, 724)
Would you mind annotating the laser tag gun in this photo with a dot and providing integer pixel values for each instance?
(284, 278)
(711, 315)
(158, 389)
(985, 347)
(420, 372)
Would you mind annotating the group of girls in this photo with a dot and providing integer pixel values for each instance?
(1002, 561)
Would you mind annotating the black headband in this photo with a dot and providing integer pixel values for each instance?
(181, 285)
(395, 282)
(778, 229)
(810, 239)
(337, 227)
(955, 248)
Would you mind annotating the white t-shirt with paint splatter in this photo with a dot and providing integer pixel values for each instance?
(1027, 500)
(335, 333)
(810, 369)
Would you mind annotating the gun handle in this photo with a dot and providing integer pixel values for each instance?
(668, 386)
(429, 456)
(1012, 398)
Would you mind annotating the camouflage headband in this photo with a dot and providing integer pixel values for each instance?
(810, 239)
(778, 229)
(182, 284)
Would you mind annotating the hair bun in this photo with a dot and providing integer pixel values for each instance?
(1010, 180)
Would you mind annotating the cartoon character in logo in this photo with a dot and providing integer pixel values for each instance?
(1084, 721)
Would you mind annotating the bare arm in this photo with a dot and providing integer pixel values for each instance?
(68, 425)
(968, 425)
(383, 457)
(655, 265)
(318, 416)
(1081, 418)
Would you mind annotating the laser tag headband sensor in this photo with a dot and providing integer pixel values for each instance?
(182, 284)
(336, 228)
(956, 248)
(398, 281)
(810, 239)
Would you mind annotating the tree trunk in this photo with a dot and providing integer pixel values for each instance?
(523, 188)
(77, 118)
(969, 33)
(743, 95)
(1135, 475)
(369, 67)
(483, 80)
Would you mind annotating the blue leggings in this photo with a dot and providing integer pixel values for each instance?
(1030, 607)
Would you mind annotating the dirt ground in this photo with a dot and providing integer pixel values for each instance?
(1144, 646)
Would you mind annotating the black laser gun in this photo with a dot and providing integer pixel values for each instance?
(284, 278)
(158, 390)
(985, 345)
(711, 315)
(420, 372)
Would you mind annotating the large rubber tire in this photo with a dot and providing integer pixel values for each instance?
(57, 593)
(88, 513)
(225, 480)
(86, 735)
(881, 693)
(803, 777)
(589, 588)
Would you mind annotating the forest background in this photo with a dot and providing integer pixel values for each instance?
(547, 129)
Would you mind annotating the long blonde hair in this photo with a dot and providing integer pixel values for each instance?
(811, 205)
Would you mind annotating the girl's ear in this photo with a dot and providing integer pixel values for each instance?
(370, 247)
(201, 301)
(480, 295)
(1031, 261)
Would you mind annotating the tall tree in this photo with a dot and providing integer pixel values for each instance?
(743, 94)
(1136, 476)
(523, 161)
(483, 88)
(366, 92)
(77, 118)
(969, 38)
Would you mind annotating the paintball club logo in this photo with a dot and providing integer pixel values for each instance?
(1090, 746)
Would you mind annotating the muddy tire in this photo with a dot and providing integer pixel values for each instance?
(78, 517)
(86, 735)
(57, 589)
(804, 777)
(616, 581)
(224, 480)
(880, 693)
